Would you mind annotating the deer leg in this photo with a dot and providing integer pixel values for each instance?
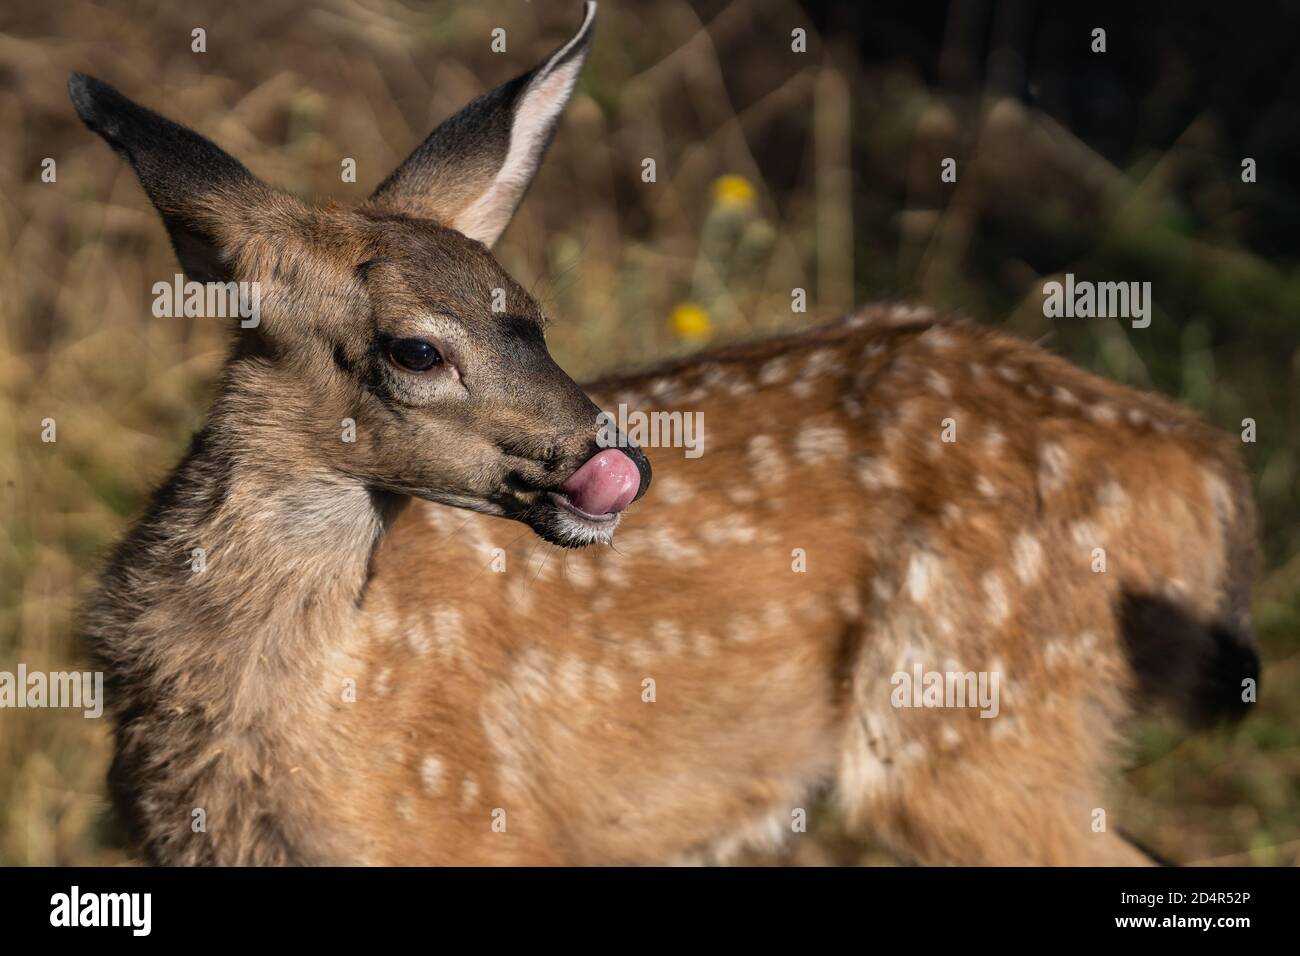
(985, 743)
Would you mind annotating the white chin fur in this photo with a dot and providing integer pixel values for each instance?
(577, 532)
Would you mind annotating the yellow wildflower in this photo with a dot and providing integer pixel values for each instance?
(691, 322)
(733, 192)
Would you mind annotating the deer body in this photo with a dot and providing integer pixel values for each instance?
(520, 690)
(401, 646)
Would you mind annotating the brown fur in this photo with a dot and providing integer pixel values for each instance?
(381, 663)
(521, 690)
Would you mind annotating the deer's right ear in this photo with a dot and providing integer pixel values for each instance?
(207, 198)
(472, 171)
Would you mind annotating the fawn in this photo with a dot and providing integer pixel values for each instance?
(376, 664)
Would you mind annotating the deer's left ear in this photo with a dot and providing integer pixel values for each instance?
(473, 170)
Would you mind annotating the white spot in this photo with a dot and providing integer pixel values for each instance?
(1003, 727)
(703, 643)
(1220, 496)
(668, 637)
(468, 792)
(1054, 652)
(671, 490)
(729, 530)
(938, 383)
(611, 569)
(905, 313)
(1113, 498)
(1064, 396)
(773, 371)
(605, 679)
(638, 652)
(418, 639)
(1101, 413)
(448, 630)
(766, 459)
(742, 628)
(776, 618)
(571, 675)
(818, 443)
(921, 570)
(440, 518)
(531, 677)
(742, 494)
(1085, 534)
(740, 386)
(714, 376)
(577, 569)
(821, 362)
(937, 338)
(985, 487)
(431, 773)
(664, 389)
(406, 809)
(1053, 463)
(510, 737)
(1027, 557)
(996, 595)
(661, 544)
(861, 772)
(875, 474)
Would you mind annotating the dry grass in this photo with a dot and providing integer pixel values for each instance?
(293, 91)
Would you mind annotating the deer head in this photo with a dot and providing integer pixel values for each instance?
(395, 314)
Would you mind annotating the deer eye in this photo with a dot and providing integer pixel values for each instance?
(415, 355)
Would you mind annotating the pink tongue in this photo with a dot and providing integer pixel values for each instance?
(607, 482)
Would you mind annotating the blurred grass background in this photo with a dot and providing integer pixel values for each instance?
(775, 170)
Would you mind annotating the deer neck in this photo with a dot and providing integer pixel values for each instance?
(241, 586)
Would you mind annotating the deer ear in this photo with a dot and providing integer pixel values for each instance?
(196, 187)
(473, 170)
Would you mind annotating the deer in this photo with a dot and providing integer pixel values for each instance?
(475, 633)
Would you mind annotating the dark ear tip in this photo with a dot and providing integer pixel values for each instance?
(580, 43)
(84, 92)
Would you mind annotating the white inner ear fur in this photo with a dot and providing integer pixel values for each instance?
(537, 110)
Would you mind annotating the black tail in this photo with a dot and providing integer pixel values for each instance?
(1201, 670)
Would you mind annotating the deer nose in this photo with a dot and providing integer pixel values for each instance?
(606, 483)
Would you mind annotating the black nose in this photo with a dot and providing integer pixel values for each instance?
(642, 465)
